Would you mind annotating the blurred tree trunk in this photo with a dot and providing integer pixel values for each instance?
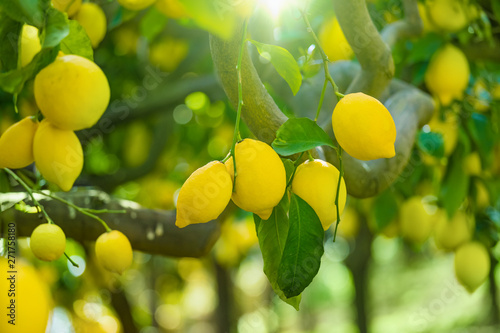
(225, 316)
(358, 262)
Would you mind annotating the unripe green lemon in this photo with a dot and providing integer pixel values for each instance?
(260, 177)
(113, 251)
(448, 74)
(316, 183)
(71, 7)
(32, 297)
(204, 195)
(449, 235)
(58, 155)
(333, 41)
(48, 242)
(136, 4)
(16, 144)
(30, 44)
(364, 128)
(472, 265)
(415, 222)
(72, 92)
(92, 19)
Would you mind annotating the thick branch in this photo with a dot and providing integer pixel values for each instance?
(151, 231)
(374, 55)
(482, 51)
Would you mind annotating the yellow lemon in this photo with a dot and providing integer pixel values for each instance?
(16, 144)
(333, 41)
(48, 242)
(424, 15)
(364, 128)
(32, 299)
(168, 53)
(69, 6)
(349, 223)
(113, 251)
(482, 195)
(260, 177)
(30, 44)
(472, 265)
(449, 235)
(472, 164)
(136, 144)
(415, 222)
(448, 74)
(58, 155)
(72, 92)
(204, 195)
(125, 39)
(316, 183)
(136, 4)
(92, 19)
(448, 128)
(448, 15)
(171, 8)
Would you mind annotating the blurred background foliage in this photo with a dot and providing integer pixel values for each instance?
(168, 116)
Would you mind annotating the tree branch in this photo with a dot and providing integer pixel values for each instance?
(410, 26)
(373, 54)
(151, 231)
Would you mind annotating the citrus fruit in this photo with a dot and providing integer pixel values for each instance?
(204, 195)
(415, 221)
(69, 6)
(113, 251)
(449, 235)
(260, 177)
(136, 4)
(171, 8)
(448, 15)
(16, 144)
(30, 44)
(424, 15)
(176, 49)
(58, 155)
(32, 298)
(472, 265)
(72, 92)
(92, 19)
(48, 242)
(349, 223)
(333, 41)
(448, 74)
(316, 183)
(364, 128)
(472, 164)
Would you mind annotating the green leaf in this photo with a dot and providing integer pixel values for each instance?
(283, 62)
(481, 133)
(10, 31)
(30, 11)
(303, 249)
(455, 185)
(289, 168)
(424, 48)
(211, 16)
(77, 42)
(272, 235)
(299, 134)
(152, 23)
(385, 209)
(496, 9)
(56, 28)
(431, 143)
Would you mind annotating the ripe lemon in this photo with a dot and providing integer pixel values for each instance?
(349, 223)
(449, 235)
(30, 44)
(32, 299)
(364, 128)
(171, 8)
(333, 41)
(16, 144)
(448, 128)
(204, 195)
(71, 7)
(48, 242)
(448, 74)
(472, 164)
(260, 180)
(176, 49)
(72, 92)
(316, 183)
(448, 15)
(415, 222)
(92, 19)
(58, 155)
(472, 265)
(424, 15)
(113, 251)
(136, 4)
(482, 195)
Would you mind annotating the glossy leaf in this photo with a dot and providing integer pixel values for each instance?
(152, 24)
(10, 31)
(455, 185)
(431, 143)
(385, 209)
(77, 42)
(56, 28)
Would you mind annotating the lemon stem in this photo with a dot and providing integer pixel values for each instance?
(311, 158)
(341, 170)
(321, 100)
(28, 189)
(237, 136)
(71, 261)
